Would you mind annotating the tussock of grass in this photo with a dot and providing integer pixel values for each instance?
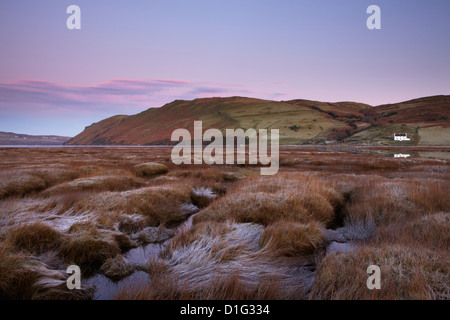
(216, 180)
(150, 169)
(188, 236)
(381, 201)
(430, 231)
(117, 268)
(265, 201)
(381, 164)
(202, 197)
(21, 185)
(204, 176)
(24, 182)
(36, 238)
(158, 205)
(87, 227)
(406, 273)
(65, 200)
(16, 282)
(212, 250)
(385, 201)
(88, 247)
(123, 242)
(288, 238)
(131, 223)
(98, 183)
(24, 277)
(88, 253)
(431, 196)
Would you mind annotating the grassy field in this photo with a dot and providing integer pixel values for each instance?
(425, 120)
(384, 135)
(299, 121)
(223, 232)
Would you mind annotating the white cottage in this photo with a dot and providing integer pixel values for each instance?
(401, 137)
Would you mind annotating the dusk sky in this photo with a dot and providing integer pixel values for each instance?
(132, 55)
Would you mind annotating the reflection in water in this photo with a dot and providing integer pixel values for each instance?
(402, 155)
(106, 289)
(141, 255)
(442, 153)
(436, 155)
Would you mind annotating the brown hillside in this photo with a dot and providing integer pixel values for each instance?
(299, 121)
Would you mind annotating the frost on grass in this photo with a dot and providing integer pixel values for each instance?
(16, 212)
(117, 268)
(158, 205)
(233, 249)
(351, 231)
(25, 277)
(153, 235)
(408, 273)
(204, 192)
(112, 183)
(150, 169)
(202, 197)
(300, 198)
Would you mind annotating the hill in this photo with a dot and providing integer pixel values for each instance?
(9, 138)
(299, 121)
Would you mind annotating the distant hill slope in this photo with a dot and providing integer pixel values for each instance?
(9, 138)
(299, 121)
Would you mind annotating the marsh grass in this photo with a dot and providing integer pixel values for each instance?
(16, 281)
(89, 247)
(36, 238)
(407, 273)
(256, 238)
(150, 169)
(88, 252)
(288, 238)
(158, 205)
(300, 198)
(97, 183)
(222, 288)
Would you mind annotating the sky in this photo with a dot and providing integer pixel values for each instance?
(131, 55)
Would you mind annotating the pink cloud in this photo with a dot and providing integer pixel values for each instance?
(110, 97)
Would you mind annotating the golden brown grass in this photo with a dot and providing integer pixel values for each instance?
(265, 226)
(36, 238)
(21, 185)
(430, 231)
(150, 169)
(88, 247)
(431, 196)
(87, 252)
(163, 287)
(188, 236)
(299, 198)
(28, 180)
(97, 183)
(385, 201)
(159, 205)
(16, 282)
(406, 273)
(288, 238)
